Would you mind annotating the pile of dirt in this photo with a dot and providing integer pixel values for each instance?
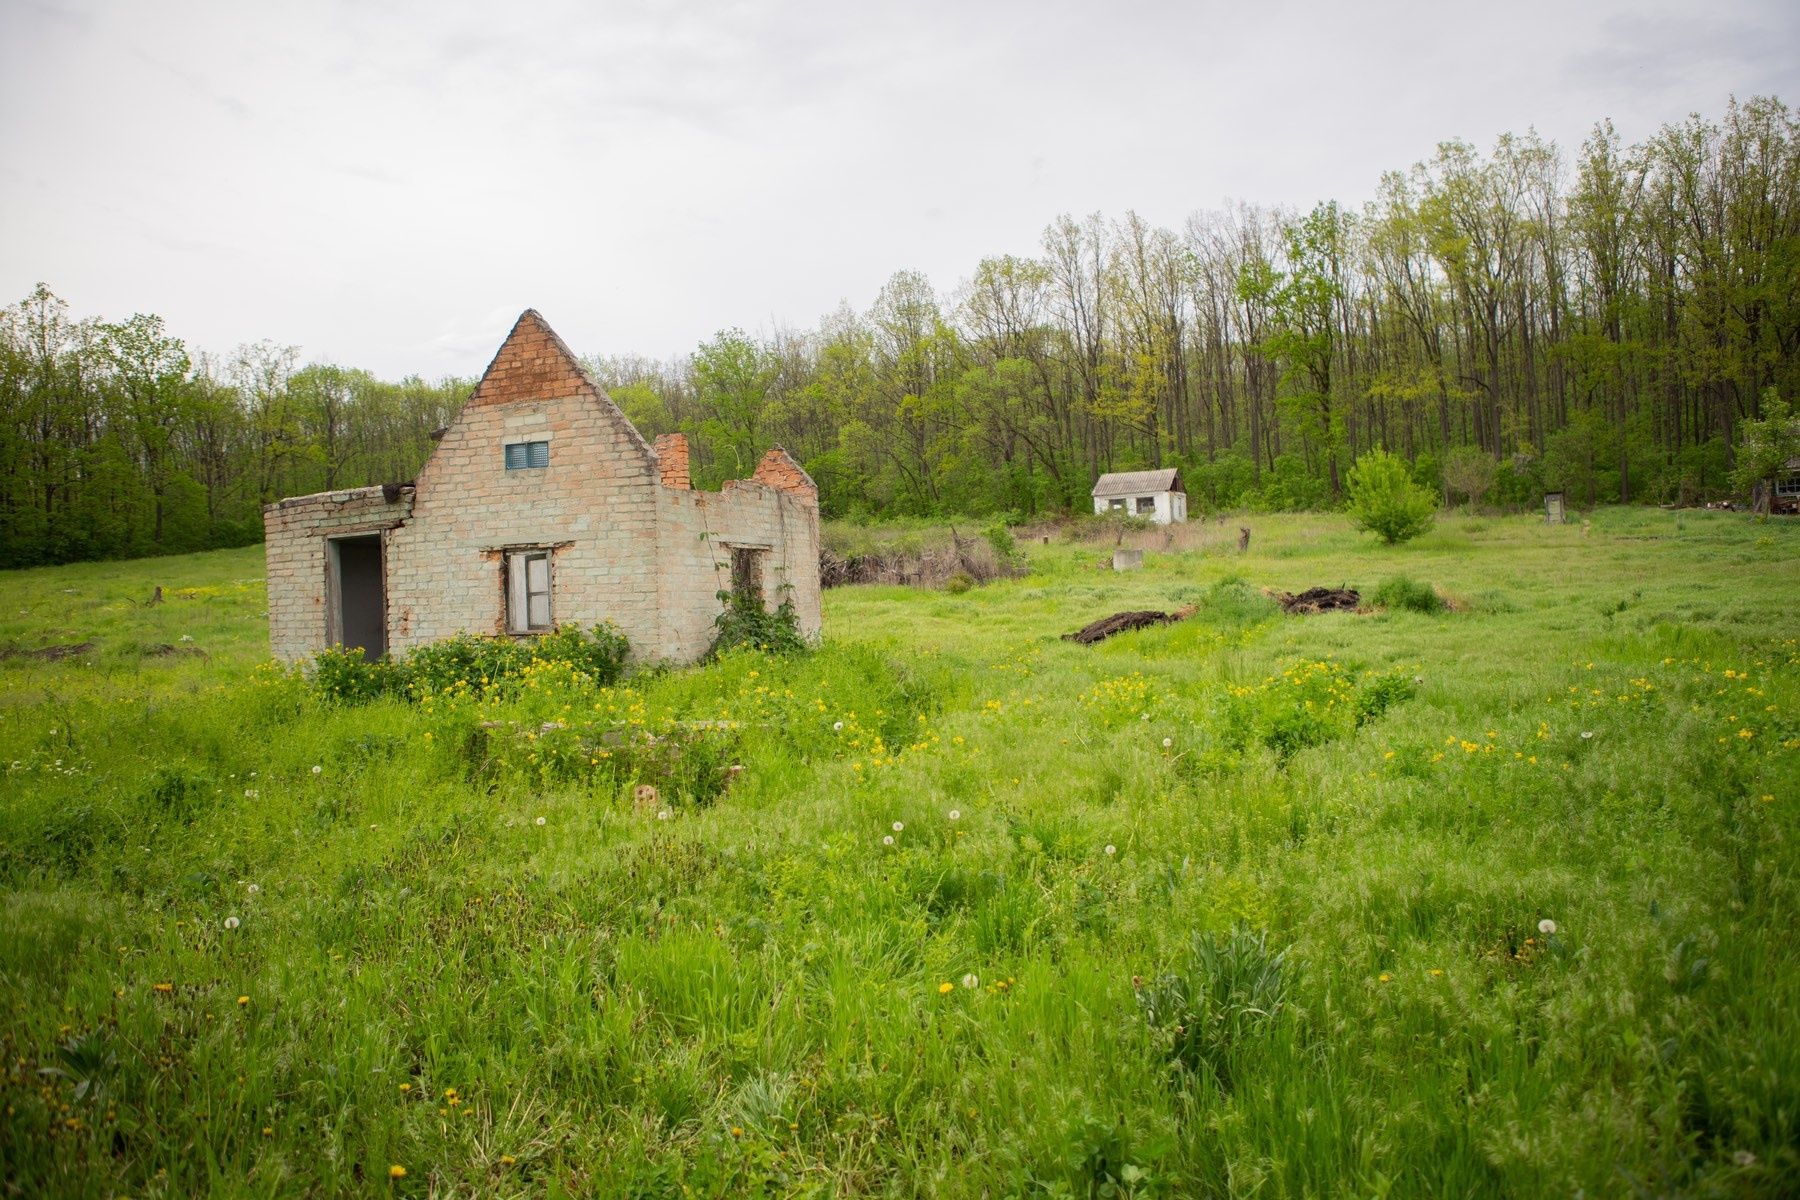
(165, 650)
(1318, 600)
(47, 653)
(1105, 627)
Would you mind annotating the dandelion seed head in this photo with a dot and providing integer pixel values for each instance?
(1111, 849)
(663, 815)
(252, 890)
(231, 922)
(888, 840)
(956, 814)
(1586, 733)
(837, 726)
(317, 769)
(540, 820)
(899, 825)
(1546, 926)
(971, 980)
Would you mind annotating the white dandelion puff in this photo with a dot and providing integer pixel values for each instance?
(837, 726)
(1111, 849)
(1167, 742)
(1586, 733)
(663, 815)
(1143, 716)
(1546, 926)
(971, 980)
(540, 820)
(888, 840)
(317, 769)
(231, 922)
(249, 793)
(899, 825)
(252, 890)
(956, 814)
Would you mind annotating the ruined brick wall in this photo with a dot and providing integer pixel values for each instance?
(700, 530)
(295, 532)
(594, 504)
(631, 543)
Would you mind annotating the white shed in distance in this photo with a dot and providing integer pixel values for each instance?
(1157, 495)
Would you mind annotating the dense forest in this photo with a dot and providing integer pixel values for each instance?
(1599, 320)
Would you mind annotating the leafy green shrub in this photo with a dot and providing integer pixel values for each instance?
(958, 583)
(745, 622)
(345, 676)
(1005, 546)
(1232, 991)
(468, 662)
(465, 660)
(1310, 703)
(1380, 694)
(1385, 500)
(1231, 603)
(1401, 591)
(599, 653)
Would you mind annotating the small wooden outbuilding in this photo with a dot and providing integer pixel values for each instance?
(1157, 495)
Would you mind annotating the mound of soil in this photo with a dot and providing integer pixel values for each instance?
(165, 650)
(1105, 627)
(48, 653)
(1318, 600)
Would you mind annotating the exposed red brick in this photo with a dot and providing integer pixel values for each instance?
(532, 364)
(779, 470)
(672, 457)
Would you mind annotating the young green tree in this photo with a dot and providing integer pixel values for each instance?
(1385, 500)
(1469, 471)
(1768, 446)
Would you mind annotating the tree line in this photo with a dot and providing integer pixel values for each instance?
(1600, 321)
(117, 441)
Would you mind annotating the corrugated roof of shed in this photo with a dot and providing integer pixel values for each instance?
(1136, 483)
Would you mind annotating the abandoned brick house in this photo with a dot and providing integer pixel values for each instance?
(541, 506)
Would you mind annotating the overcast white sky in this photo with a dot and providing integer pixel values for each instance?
(386, 185)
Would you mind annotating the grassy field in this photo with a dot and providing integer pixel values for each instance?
(1493, 901)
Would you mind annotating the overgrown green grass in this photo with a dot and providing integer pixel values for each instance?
(1244, 904)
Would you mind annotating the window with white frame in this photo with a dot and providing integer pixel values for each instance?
(526, 456)
(528, 591)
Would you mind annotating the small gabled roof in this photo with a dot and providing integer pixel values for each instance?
(1137, 483)
(535, 361)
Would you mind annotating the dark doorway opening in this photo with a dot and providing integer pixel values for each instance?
(747, 573)
(358, 594)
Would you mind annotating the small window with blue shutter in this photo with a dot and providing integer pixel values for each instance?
(524, 456)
